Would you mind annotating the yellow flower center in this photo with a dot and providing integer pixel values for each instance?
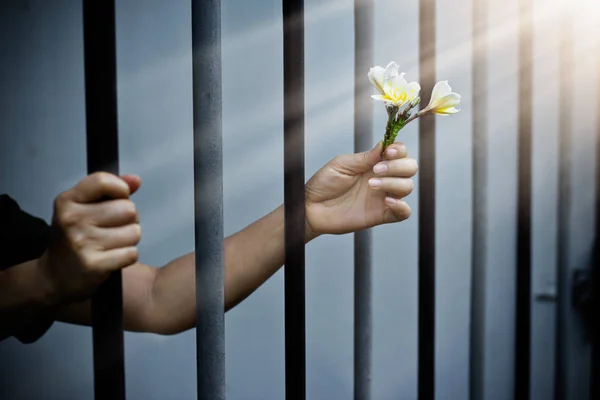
(396, 96)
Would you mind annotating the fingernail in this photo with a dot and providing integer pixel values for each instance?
(375, 183)
(379, 168)
(390, 201)
(392, 152)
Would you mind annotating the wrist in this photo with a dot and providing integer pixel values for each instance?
(47, 293)
(309, 233)
(23, 287)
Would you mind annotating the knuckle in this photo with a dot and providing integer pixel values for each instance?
(413, 165)
(67, 217)
(402, 211)
(106, 182)
(407, 211)
(136, 233)
(364, 156)
(337, 161)
(125, 211)
(129, 210)
(60, 201)
(407, 186)
(78, 240)
(126, 257)
(401, 147)
(131, 256)
(101, 179)
(89, 262)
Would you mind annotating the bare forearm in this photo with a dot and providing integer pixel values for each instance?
(24, 298)
(251, 257)
(137, 288)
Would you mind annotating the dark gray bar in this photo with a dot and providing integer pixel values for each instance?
(523, 274)
(294, 195)
(208, 197)
(480, 210)
(363, 138)
(563, 278)
(427, 52)
(103, 155)
(595, 269)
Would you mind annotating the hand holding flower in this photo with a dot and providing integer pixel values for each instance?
(359, 191)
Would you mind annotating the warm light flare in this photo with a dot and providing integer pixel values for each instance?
(587, 14)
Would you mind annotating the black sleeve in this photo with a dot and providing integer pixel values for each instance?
(23, 237)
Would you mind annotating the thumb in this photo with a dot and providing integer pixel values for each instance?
(133, 181)
(358, 163)
(373, 156)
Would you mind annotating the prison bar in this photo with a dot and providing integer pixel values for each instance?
(479, 247)
(294, 197)
(563, 279)
(522, 371)
(208, 198)
(426, 325)
(595, 356)
(363, 138)
(103, 155)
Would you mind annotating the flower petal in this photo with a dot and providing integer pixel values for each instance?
(379, 97)
(447, 111)
(440, 90)
(413, 89)
(391, 70)
(448, 101)
(399, 83)
(376, 77)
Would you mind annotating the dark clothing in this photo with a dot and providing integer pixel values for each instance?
(23, 237)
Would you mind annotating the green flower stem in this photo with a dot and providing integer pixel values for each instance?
(391, 131)
(389, 128)
(394, 126)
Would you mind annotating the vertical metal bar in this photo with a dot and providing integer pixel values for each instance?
(595, 334)
(564, 205)
(523, 274)
(294, 195)
(427, 63)
(103, 155)
(480, 210)
(208, 198)
(363, 138)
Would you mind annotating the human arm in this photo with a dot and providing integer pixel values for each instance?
(339, 200)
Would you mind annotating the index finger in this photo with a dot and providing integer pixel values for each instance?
(99, 186)
(395, 150)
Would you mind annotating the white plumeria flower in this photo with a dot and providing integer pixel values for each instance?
(443, 100)
(393, 88)
(377, 75)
